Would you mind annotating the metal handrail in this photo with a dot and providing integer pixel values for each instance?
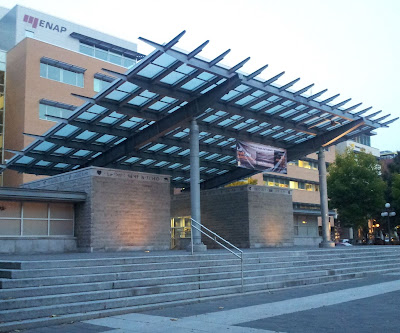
(216, 236)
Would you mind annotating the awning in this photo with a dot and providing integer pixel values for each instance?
(140, 122)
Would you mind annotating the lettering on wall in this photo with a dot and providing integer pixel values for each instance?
(35, 22)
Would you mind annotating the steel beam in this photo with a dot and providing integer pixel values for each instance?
(302, 149)
(228, 177)
(240, 135)
(263, 117)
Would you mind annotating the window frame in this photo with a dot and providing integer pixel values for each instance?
(44, 73)
(126, 61)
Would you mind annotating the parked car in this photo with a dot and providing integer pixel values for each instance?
(344, 242)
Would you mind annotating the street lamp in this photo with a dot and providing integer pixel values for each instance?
(388, 212)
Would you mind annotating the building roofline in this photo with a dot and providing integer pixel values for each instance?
(12, 193)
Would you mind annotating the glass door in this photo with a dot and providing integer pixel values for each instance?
(180, 232)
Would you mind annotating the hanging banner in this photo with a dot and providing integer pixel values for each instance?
(256, 156)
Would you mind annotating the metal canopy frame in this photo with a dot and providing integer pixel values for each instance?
(141, 121)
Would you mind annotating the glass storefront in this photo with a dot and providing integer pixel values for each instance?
(36, 219)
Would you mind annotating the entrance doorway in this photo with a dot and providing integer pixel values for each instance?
(180, 232)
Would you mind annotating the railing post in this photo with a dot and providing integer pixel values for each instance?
(241, 264)
(191, 235)
(213, 236)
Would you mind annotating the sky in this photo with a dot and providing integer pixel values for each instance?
(349, 47)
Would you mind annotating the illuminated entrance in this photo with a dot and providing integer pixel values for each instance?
(180, 232)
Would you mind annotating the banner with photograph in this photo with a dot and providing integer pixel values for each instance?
(256, 156)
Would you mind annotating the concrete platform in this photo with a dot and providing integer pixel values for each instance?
(40, 289)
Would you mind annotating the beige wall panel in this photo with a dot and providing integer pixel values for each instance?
(306, 196)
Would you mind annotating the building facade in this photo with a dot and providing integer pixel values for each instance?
(48, 59)
(303, 181)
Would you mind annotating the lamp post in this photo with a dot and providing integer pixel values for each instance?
(388, 212)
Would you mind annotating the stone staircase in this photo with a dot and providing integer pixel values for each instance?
(43, 292)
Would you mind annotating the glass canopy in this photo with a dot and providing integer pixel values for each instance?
(140, 121)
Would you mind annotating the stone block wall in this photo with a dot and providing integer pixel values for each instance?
(124, 210)
(224, 211)
(270, 217)
(246, 216)
(29, 245)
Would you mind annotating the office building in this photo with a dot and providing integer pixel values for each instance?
(48, 59)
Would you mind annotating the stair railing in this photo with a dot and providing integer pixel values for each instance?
(220, 241)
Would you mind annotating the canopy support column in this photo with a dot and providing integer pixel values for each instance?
(323, 190)
(198, 246)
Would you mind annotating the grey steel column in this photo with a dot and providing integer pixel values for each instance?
(195, 184)
(323, 191)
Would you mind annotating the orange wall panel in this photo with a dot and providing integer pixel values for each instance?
(25, 88)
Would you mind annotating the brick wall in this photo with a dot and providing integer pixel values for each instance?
(124, 210)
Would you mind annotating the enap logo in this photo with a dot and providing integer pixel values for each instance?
(35, 22)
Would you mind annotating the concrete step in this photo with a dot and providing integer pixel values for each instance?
(68, 318)
(202, 290)
(34, 300)
(227, 292)
(118, 268)
(146, 288)
(86, 277)
(116, 296)
(62, 280)
(327, 264)
(49, 272)
(60, 309)
(222, 272)
(64, 318)
(163, 285)
(84, 262)
(268, 256)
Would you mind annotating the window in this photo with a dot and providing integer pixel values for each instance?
(101, 81)
(304, 164)
(277, 182)
(36, 219)
(363, 139)
(29, 33)
(46, 110)
(307, 164)
(293, 184)
(106, 54)
(61, 72)
(309, 187)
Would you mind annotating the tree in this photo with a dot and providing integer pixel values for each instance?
(390, 174)
(246, 181)
(356, 188)
(396, 190)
